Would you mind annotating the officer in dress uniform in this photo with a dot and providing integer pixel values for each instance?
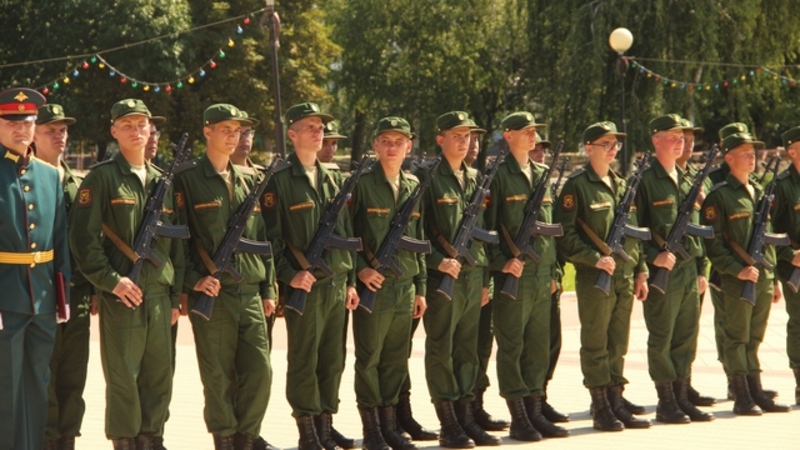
(71, 352)
(34, 255)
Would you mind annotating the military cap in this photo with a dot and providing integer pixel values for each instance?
(737, 139)
(474, 128)
(543, 142)
(454, 119)
(221, 112)
(393, 123)
(690, 125)
(791, 136)
(520, 120)
(597, 130)
(303, 110)
(668, 122)
(20, 104)
(134, 106)
(332, 131)
(732, 128)
(53, 113)
(251, 119)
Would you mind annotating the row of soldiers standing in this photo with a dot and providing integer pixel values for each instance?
(232, 346)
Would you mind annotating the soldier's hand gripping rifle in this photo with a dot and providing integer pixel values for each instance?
(151, 228)
(531, 227)
(682, 226)
(396, 239)
(325, 237)
(233, 242)
(467, 231)
(615, 242)
(760, 237)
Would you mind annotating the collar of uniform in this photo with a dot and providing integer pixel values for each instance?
(20, 160)
(734, 183)
(297, 167)
(127, 169)
(513, 164)
(794, 174)
(661, 172)
(445, 169)
(381, 178)
(210, 172)
(593, 176)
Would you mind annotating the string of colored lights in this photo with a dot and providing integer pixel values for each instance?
(749, 73)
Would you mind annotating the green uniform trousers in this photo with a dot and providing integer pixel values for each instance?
(68, 367)
(233, 356)
(381, 340)
(315, 356)
(485, 341)
(792, 326)
(719, 320)
(451, 326)
(555, 334)
(671, 320)
(605, 326)
(137, 362)
(26, 342)
(745, 325)
(414, 324)
(522, 330)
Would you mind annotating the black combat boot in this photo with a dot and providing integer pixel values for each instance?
(483, 418)
(392, 436)
(224, 442)
(550, 413)
(52, 444)
(797, 383)
(451, 434)
(614, 395)
(743, 403)
(471, 427)
(341, 440)
(309, 440)
(603, 418)
(323, 424)
(259, 443)
(632, 407)
(681, 389)
(696, 398)
(533, 408)
(158, 443)
(406, 420)
(125, 444)
(521, 428)
(763, 400)
(243, 441)
(68, 443)
(373, 438)
(667, 410)
(144, 441)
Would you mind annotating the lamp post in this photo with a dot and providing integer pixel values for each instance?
(274, 32)
(620, 40)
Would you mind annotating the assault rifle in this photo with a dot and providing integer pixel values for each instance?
(395, 239)
(233, 242)
(682, 226)
(467, 230)
(531, 227)
(151, 228)
(614, 244)
(325, 237)
(760, 237)
(561, 170)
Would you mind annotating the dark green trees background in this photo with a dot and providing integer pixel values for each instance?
(363, 59)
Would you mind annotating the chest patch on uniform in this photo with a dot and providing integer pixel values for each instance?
(600, 206)
(665, 202)
(796, 207)
(547, 200)
(739, 215)
(710, 213)
(269, 200)
(180, 201)
(207, 205)
(123, 201)
(415, 215)
(568, 202)
(377, 210)
(166, 210)
(85, 197)
(517, 198)
(301, 206)
(447, 201)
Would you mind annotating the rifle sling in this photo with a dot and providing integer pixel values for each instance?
(599, 243)
(370, 256)
(299, 256)
(511, 246)
(448, 248)
(209, 263)
(746, 258)
(660, 242)
(120, 244)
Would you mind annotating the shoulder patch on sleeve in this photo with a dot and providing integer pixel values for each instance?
(710, 213)
(85, 197)
(180, 200)
(268, 200)
(568, 202)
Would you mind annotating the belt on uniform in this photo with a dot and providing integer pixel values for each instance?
(26, 258)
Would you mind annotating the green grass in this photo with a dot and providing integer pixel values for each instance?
(568, 282)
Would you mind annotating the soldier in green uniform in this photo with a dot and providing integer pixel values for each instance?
(151, 148)
(381, 337)
(485, 332)
(71, 352)
(33, 255)
(537, 155)
(729, 208)
(586, 210)
(232, 347)
(786, 219)
(690, 133)
(293, 203)
(672, 316)
(451, 325)
(522, 324)
(135, 319)
(330, 144)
